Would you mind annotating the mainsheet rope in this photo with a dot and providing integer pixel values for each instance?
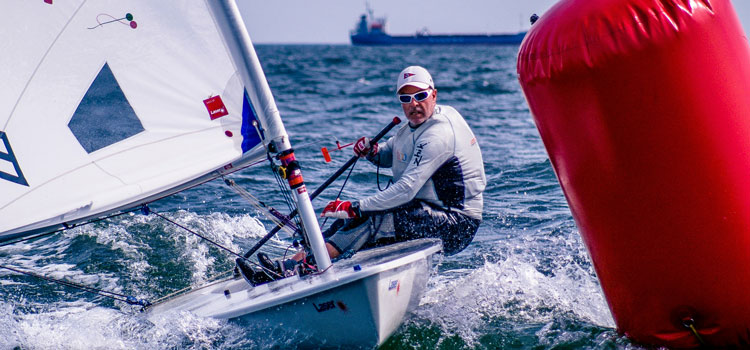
(341, 190)
(216, 244)
(271, 213)
(67, 227)
(213, 278)
(107, 294)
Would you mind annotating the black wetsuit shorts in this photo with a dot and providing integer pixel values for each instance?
(416, 219)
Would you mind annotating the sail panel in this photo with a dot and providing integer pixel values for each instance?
(29, 28)
(232, 27)
(173, 69)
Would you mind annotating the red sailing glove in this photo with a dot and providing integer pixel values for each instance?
(362, 148)
(340, 210)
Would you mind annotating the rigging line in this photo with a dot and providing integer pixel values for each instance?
(321, 272)
(287, 250)
(183, 290)
(285, 194)
(258, 129)
(346, 179)
(32, 237)
(214, 243)
(107, 294)
(271, 213)
(689, 323)
(68, 227)
(279, 182)
(287, 197)
(342, 187)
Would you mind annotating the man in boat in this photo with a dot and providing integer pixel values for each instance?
(439, 179)
(438, 172)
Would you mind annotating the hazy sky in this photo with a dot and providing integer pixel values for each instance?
(329, 21)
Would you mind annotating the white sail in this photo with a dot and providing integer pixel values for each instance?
(108, 104)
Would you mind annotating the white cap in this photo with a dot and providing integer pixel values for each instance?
(415, 76)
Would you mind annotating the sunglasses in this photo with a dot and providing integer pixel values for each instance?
(417, 96)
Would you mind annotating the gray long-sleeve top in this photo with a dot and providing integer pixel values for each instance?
(439, 162)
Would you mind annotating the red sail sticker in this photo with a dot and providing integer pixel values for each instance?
(215, 106)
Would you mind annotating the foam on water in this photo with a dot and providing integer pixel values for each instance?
(525, 282)
(67, 326)
(73, 323)
(462, 301)
(81, 325)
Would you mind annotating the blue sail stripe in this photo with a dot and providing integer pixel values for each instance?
(10, 157)
(250, 137)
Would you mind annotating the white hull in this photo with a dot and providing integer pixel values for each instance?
(362, 301)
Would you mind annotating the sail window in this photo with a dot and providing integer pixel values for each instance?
(104, 116)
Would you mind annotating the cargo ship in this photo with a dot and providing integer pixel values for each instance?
(371, 31)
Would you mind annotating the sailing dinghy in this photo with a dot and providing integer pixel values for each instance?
(109, 105)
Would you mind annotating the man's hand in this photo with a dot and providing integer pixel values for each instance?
(362, 148)
(340, 210)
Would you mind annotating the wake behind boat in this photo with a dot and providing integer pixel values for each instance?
(186, 102)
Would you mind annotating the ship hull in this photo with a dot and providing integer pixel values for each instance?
(478, 39)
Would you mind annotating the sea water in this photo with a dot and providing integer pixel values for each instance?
(526, 281)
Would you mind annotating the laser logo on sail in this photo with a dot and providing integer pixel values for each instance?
(215, 106)
(8, 161)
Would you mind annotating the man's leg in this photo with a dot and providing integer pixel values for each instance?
(350, 236)
(343, 235)
(417, 219)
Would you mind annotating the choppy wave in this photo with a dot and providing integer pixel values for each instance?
(525, 282)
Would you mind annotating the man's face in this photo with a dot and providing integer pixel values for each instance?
(418, 112)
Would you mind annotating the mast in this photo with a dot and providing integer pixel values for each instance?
(368, 8)
(228, 19)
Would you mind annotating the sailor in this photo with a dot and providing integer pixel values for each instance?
(438, 177)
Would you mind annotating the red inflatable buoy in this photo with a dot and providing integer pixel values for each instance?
(644, 108)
